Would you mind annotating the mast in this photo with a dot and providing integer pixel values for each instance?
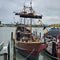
(30, 15)
(31, 19)
(24, 18)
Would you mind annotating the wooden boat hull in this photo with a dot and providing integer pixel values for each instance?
(28, 47)
(30, 50)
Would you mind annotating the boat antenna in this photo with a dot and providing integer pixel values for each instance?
(24, 18)
(24, 6)
(31, 6)
(31, 3)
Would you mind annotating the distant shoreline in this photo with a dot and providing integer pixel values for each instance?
(14, 25)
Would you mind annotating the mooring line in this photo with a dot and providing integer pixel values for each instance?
(52, 56)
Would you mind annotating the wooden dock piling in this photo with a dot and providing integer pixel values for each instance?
(54, 49)
(9, 51)
(5, 56)
(14, 51)
(11, 35)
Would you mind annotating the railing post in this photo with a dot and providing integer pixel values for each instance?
(5, 56)
(54, 53)
(44, 39)
(9, 51)
(11, 35)
(11, 39)
(14, 50)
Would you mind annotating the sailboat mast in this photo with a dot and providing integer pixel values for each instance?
(24, 19)
(31, 18)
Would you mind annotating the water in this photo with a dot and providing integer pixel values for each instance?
(5, 36)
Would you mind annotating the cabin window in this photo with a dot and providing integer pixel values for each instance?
(18, 36)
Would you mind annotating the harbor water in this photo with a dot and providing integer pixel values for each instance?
(5, 36)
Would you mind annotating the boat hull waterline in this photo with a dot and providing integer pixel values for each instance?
(30, 50)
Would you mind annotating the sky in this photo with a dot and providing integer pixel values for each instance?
(49, 9)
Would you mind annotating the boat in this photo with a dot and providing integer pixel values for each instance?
(52, 38)
(26, 42)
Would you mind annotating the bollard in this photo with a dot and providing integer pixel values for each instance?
(14, 51)
(9, 51)
(5, 56)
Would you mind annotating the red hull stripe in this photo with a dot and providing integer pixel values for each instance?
(36, 52)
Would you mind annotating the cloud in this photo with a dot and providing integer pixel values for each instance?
(50, 9)
(51, 19)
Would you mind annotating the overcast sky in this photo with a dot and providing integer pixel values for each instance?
(50, 9)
